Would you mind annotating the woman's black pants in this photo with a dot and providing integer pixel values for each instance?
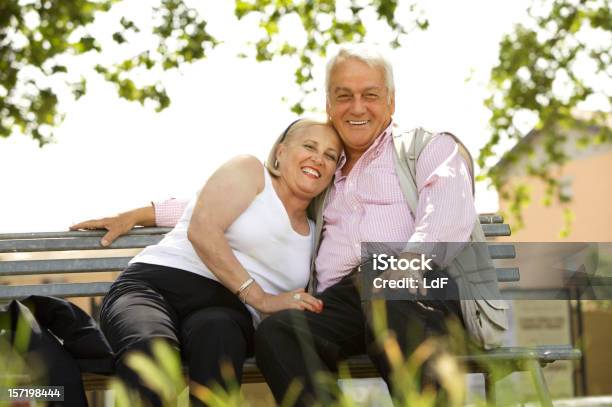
(195, 314)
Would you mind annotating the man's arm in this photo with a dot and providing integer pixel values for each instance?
(446, 210)
(167, 213)
(164, 213)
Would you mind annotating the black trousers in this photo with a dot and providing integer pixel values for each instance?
(195, 314)
(301, 346)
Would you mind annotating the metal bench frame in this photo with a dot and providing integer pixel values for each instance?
(505, 359)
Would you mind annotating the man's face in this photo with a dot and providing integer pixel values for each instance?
(358, 104)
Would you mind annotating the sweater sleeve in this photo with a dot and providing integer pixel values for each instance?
(168, 212)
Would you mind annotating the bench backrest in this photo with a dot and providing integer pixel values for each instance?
(89, 243)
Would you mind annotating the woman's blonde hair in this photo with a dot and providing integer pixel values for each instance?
(271, 162)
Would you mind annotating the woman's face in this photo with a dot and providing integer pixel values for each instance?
(307, 160)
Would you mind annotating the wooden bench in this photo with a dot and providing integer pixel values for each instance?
(505, 359)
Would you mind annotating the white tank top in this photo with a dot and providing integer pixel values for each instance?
(262, 239)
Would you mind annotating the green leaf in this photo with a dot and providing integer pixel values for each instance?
(79, 88)
(58, 68)
(129, 25)
(153, 377)
(86, 44)
(297, 109)
(170, 363)
(118, 38)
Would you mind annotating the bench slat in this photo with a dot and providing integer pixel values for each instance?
(508, 274)
(490, 218)
(90, 240)
(136, 242)
(501, 251)
(491, 223)
(504, 275)
(484, 220)
(496, 230)
(57, 290)
(81, 233)
(544, 354)
(82, 243)
(29, 267)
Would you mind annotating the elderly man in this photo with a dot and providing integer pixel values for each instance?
(367, 202)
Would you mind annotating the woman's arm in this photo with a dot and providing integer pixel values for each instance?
(226, 195)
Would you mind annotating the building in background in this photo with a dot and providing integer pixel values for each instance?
(586, 178)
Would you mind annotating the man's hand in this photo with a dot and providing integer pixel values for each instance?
(120, 224)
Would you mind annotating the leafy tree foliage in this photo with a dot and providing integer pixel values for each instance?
(38, 38)
(547, 66)
(322, 28)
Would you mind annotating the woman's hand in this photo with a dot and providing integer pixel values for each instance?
(296, 299)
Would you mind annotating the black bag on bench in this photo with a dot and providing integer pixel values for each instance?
(64, 338)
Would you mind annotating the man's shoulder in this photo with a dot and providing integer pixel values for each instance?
(417, 143)
(419, 139)
(443, 139)
(426, 134)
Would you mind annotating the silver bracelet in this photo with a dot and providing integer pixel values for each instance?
(244, 285)
(245, 294)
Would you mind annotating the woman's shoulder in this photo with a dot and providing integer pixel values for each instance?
(246, 169)
(246, 162)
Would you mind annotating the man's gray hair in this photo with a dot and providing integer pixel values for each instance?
(364, 53)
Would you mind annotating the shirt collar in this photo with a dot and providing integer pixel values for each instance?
(341, 161)
(377, 147)
(380, 142)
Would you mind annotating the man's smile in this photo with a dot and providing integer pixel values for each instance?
(358, 122)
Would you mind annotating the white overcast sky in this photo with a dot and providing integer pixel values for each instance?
(113, 155)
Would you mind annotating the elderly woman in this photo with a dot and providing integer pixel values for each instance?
(241, 249)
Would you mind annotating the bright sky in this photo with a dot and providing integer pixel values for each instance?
(112, 155)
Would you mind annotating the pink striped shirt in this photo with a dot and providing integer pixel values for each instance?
(368, 205)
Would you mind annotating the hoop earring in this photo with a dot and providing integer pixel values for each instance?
(275, 163)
